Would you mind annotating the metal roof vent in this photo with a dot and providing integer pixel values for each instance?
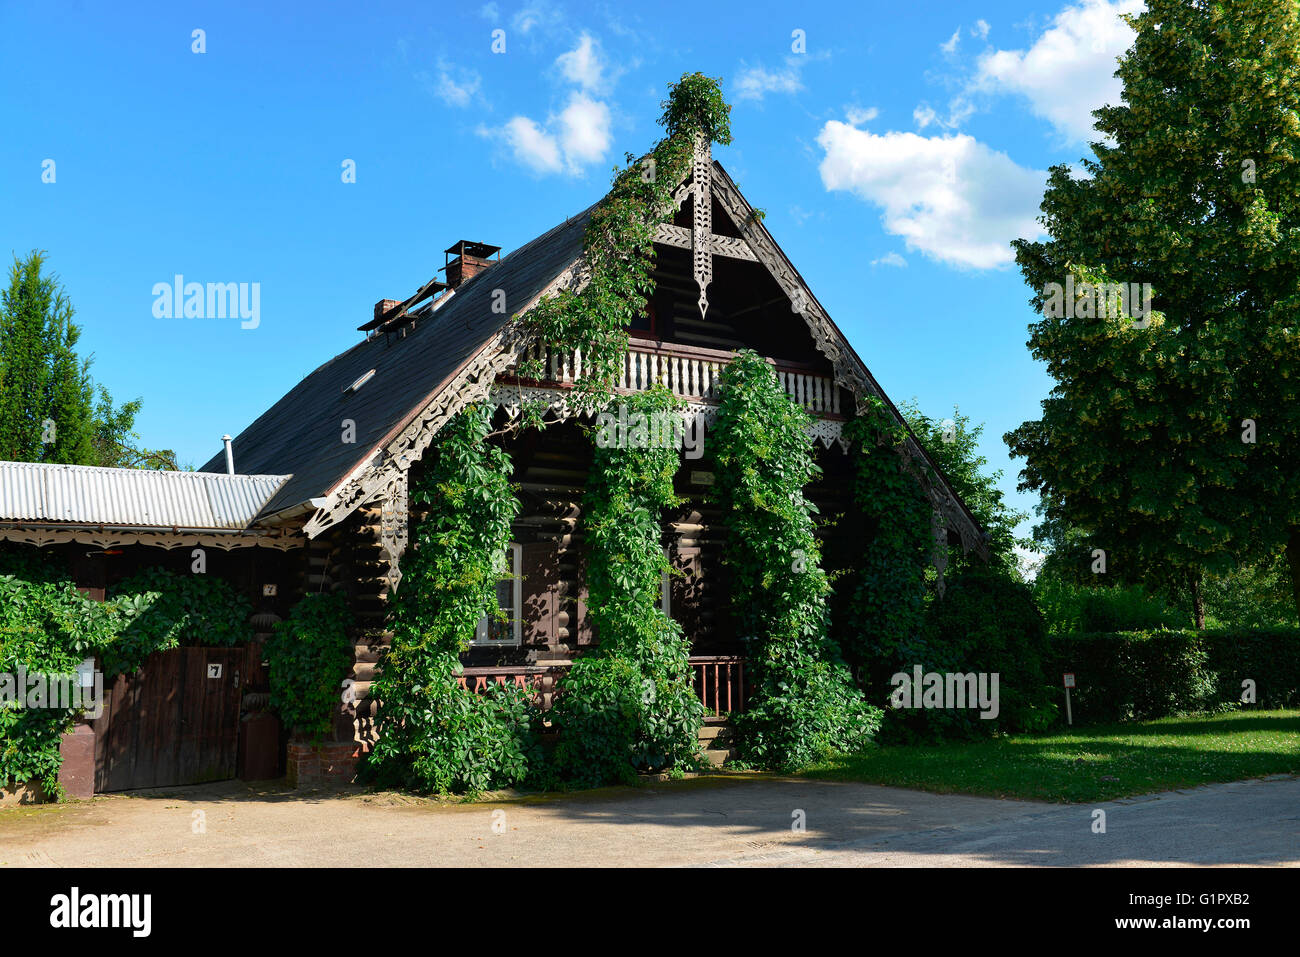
(360, 382)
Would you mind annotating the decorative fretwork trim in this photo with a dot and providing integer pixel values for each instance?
(470, 385)
(40, 537)
(849, 371)
(393, 514)
(475, 382)
(702, 217)
(683, 238)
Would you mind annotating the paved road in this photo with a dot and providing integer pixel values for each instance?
(729, 821)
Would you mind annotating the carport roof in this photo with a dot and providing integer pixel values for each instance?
(42, 493)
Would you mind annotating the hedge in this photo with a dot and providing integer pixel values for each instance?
(1135, 675)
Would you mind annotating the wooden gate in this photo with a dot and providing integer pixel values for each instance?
(176, 721)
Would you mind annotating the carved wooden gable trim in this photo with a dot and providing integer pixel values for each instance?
(384, 473)
(849, 371)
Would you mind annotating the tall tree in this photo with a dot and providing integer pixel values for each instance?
(1171, 427)
(50, 408)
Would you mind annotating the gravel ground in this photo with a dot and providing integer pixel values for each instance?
(711, 821)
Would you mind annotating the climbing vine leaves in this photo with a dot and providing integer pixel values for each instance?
(618, 248)
(803, 702)
(435, 735)
(629, 706)
(888, 600)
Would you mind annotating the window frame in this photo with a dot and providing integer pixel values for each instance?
(655, 332)
(514, 571)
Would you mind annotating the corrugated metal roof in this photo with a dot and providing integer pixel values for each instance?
(85, 495)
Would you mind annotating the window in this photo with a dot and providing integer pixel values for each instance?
(646, 326)
(508, 632)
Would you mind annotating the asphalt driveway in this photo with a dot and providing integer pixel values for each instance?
(711, 821)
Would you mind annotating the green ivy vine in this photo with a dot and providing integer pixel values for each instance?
(890, 594)
(435, 736)
(803, 703)
(29, 737)
(309, 654)
(618, 248)
(629, 706)
(158, 609)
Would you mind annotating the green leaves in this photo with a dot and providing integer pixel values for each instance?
(618, 248)
(47, 625)
(1197, 192)
(888, 600)
(695, 105)
(803, 702)
(433, 734)
(629, 706)
(51, 410)
(309, 655)
(158, 609)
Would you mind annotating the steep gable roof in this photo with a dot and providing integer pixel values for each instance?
(302, 433)
(413, 389)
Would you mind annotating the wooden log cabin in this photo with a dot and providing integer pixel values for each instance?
(721, 284)
(347, 441)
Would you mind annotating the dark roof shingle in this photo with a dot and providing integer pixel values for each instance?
(302, 433)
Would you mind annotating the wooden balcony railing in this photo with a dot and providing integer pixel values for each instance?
(719, 680)
(688, 371)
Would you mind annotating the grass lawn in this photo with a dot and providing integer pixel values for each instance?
(1096, 763)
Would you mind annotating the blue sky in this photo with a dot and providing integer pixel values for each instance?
(897, 150)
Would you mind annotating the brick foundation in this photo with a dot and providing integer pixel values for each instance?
(319, 765)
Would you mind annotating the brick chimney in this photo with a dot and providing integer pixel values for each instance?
(385, 306)
(470, 260)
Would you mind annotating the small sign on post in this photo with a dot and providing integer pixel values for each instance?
(1069, 683)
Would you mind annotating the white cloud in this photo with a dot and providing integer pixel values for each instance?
(584, 130)
(951, 45)
(532, 146)
(583, 64)
(1068, 72)
(959, 110)
(753, 83)
(951, 198)
(579, 135)
(489, 11)
(981, 29)
(539, 15)
(453, 86)
(890, 259)
(857, 115)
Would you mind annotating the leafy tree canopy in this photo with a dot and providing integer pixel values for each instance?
(1169, 435)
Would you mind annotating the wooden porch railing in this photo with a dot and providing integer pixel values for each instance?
(541, 679)
(720, 683)
(690, 372)
(719, 680)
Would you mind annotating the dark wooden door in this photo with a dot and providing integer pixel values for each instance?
(176, 721)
